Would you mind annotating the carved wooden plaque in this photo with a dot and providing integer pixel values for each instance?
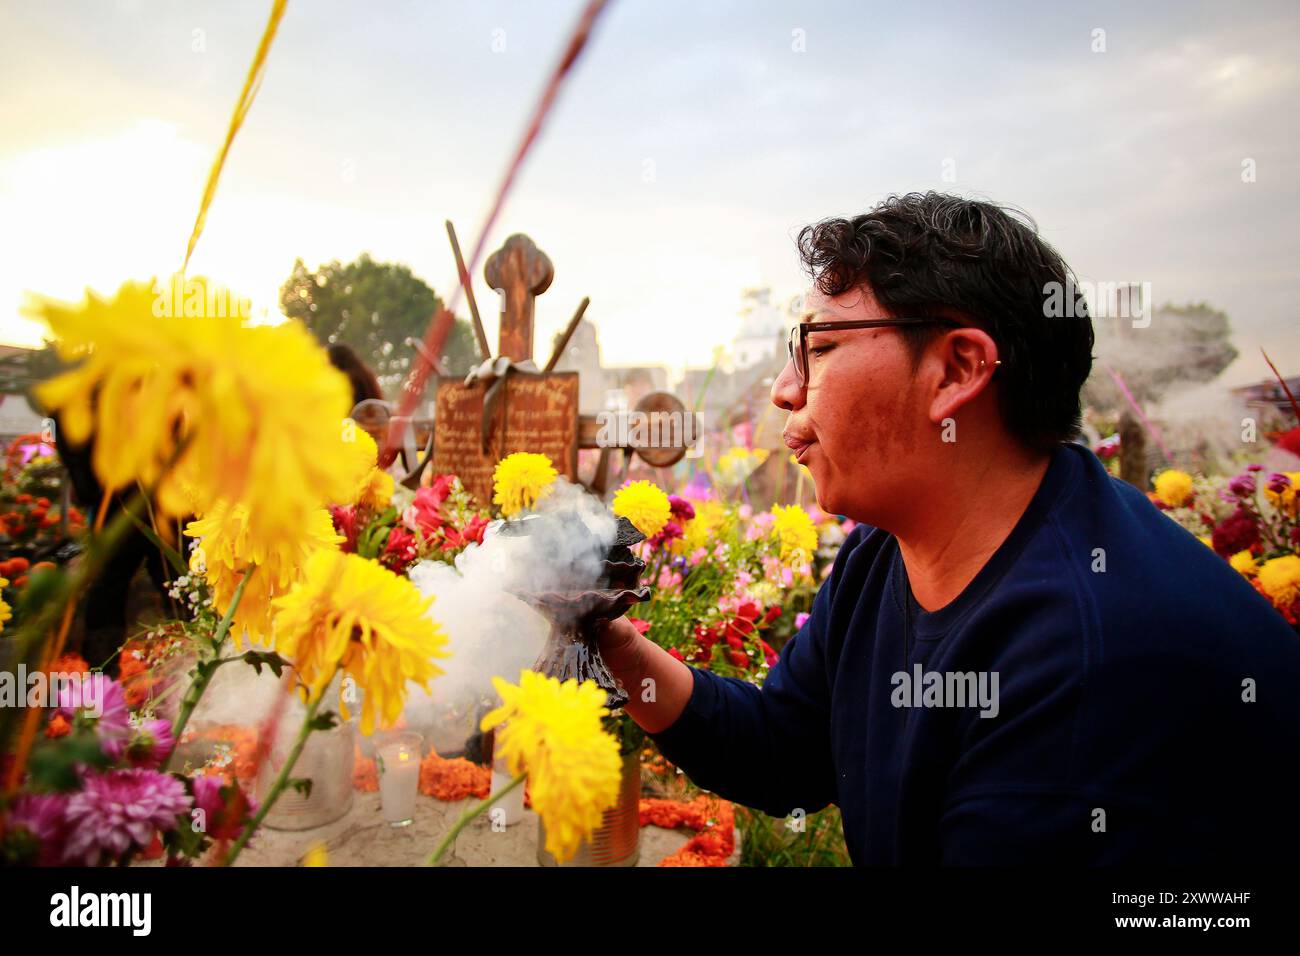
(536, 413)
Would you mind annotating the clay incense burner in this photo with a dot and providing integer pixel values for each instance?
(575, 615)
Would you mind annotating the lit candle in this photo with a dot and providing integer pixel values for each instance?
(399, 777)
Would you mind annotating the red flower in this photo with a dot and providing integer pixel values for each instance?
(676, 654)
(772, 614)
(1237, 532)
(423, 515)
(400, 550)
(736, 642)
(769, 655)
(42, 502)
(707, 636)
(738, 658)
(345, 523)
(640, 625)
(24, 499)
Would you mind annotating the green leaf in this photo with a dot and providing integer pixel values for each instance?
(256, 659)
(53, 763)
(173, 556)
(324, 721)
(302, 785)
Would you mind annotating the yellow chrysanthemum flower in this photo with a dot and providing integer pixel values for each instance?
(553, 731)
(229, 545)
(257, 408)
(645, 505)
(6, 612)
(1286, 501)
(738, 463)
(1173, 487)
(699, 531)
(1280, 579)
(1243, 562)
(318, 855)
(521, 480)
(795, 530)
(351, 612)
(375, 489)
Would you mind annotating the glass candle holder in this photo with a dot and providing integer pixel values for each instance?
(397, 758)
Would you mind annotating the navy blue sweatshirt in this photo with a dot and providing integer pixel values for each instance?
(1146, 705)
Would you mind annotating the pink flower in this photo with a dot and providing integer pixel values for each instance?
(226, 808)
(43, 816)
(800, 619)
(117, 810)
(151, 744)
(98, 698)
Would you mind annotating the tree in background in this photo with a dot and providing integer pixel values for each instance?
(374, 307)
(1183, 346)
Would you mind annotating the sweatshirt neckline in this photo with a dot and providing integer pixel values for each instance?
(1062, 469)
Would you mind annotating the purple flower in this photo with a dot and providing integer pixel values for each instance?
(1254, 467)
(101, 699)
(150, 744)
(1278, 483)
(1243, 486)
(42, 815)
(117, 810)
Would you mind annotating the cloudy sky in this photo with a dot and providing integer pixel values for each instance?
(692, 142)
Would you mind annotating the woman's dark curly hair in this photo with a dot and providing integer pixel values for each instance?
(931, 253)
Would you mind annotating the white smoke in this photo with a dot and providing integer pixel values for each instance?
(491, 630)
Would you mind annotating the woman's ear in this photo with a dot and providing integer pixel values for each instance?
(967, 359)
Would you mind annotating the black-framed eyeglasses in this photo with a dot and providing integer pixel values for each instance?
(798, 341)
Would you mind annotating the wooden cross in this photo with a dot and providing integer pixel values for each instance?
(529, 411)
(519, 272)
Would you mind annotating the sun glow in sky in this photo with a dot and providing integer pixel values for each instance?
(689, 147)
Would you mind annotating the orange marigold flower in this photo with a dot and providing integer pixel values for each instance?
(454, 779)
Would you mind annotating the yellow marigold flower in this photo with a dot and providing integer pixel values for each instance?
(375, 489)
(645, 505)
(6, 612)
(521, 480)
(257, 408)
(699, 531)
(1243, 562)
(1280, 579)
(1173, 487)
(318, 855)
(229, 545)
(553, 732)
(795, 530)
(351, 612)
(1206, 540)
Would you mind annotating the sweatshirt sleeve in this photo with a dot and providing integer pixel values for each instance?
(771, 748)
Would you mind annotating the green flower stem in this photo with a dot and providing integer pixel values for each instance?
(283, 779)
(207, 669)
(471, 814)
